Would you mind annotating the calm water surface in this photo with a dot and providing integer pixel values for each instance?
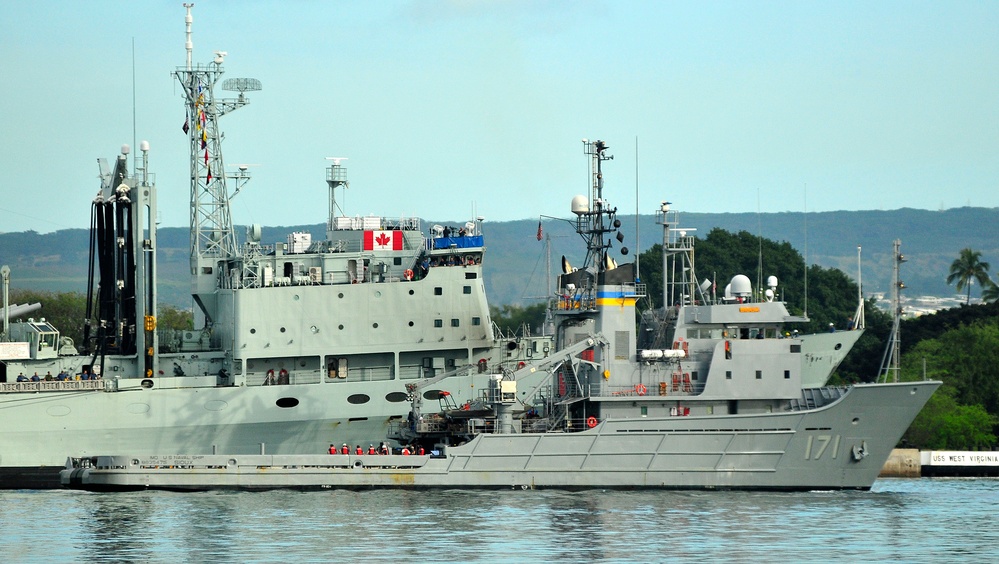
(899, 520)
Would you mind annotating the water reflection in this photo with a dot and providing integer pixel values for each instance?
(890, 523)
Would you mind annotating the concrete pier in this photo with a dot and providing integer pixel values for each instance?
(902, 463)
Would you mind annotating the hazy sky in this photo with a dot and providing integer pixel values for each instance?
(452, 108)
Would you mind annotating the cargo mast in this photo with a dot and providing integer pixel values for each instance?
(213, 239)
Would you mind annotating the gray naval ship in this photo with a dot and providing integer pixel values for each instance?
(297, 342)
(723, 406)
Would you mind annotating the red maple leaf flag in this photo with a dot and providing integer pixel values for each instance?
(383, 240)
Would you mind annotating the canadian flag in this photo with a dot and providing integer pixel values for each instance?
(383, 240)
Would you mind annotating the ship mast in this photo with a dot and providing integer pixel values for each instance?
(890, 361)
(213, 238)
(590, 224)
(679, 282)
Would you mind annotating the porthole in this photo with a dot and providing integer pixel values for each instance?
(295, 297)
(282, 329)
(358, 399)
(855, 420)
(340, 295)
(287, 402)
(340, 327)
(396, 397)
(838, 346)
(410, 323)
(374, 326)
(411, 292)
(252, 331)
(378, 294)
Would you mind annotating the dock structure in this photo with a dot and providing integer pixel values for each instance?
(913, 463)
(969, 464)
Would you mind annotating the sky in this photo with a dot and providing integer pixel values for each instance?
(454, 109)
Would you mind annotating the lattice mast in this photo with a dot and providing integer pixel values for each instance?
(593, 224)
(213, 238)
(890, 364)
(679, 278)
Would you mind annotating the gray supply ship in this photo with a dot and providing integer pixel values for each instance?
(297, 342)
(723, 406)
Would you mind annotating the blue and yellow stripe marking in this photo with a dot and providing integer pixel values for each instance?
(618, 299)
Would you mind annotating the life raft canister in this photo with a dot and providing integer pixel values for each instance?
(591, 422)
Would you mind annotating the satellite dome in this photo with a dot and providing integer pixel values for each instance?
(580, 205)
(741, 286)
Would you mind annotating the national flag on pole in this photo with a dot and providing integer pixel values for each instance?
(383, 240)
(187, 125)
(539, 230)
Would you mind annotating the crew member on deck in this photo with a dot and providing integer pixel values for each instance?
(371, 449)
(345, 449)
(22, 378)
(332, 449)
(359, 451)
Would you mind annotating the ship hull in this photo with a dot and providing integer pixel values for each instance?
(842, 445)
(42, 429)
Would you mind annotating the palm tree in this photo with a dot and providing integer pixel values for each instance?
(991, 292)
(968, 266)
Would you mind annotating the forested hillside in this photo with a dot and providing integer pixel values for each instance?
(515, 265)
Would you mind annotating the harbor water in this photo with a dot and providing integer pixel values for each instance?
(916, 520)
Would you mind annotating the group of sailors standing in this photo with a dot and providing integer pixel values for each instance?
(63, 376)
(382, 449)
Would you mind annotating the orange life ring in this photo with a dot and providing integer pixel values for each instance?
(640, 389)
(591, 422)
(408, 274)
